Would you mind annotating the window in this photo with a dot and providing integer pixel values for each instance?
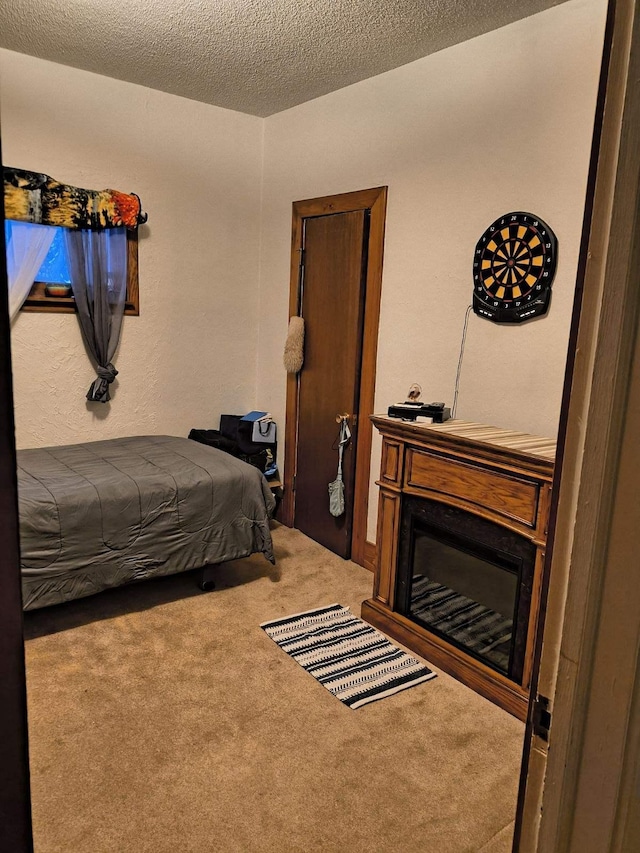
(55, 270)
(55, 267)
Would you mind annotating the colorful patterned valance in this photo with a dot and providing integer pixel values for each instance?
(34, 197)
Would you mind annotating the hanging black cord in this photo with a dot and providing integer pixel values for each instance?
(462, 342)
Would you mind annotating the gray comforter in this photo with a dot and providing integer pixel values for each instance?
(105, 513)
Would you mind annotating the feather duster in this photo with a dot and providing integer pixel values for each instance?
(294, 346)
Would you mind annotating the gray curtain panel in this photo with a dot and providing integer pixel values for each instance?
(98, 270)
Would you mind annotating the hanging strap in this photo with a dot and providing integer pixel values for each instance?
(345, 435)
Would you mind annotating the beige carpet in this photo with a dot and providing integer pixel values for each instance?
(164, 720)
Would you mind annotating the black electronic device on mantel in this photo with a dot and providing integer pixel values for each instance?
(408, 411)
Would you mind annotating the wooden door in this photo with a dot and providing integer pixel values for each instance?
(373, 202)
(332, 304)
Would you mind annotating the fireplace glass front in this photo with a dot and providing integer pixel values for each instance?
(467, 580)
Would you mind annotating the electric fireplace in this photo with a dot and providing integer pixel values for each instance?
(462, 522)
(466, 579)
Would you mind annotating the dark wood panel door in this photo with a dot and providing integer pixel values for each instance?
(332, 304)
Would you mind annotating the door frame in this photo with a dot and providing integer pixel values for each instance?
(375, 201)
(577, 789)
(15, 797)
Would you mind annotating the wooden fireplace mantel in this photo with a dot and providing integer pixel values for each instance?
(501, 475)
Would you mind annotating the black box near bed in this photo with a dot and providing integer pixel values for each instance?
(105, 513)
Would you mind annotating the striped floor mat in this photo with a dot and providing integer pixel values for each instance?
(350, 658)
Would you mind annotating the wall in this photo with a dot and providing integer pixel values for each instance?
(499, 123)
(192, 351)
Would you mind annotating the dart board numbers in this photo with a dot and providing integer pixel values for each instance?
(513, 268)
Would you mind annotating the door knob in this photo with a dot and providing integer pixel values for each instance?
(340, 418)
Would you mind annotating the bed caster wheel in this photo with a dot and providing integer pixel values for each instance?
(207, 581)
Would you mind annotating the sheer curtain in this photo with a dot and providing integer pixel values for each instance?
(27, 246)
(98, 270)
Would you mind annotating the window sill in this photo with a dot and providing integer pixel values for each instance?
(39, 302)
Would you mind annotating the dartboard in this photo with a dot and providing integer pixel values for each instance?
(513, 267)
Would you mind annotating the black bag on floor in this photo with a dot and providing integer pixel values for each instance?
(258, 460)
(229, 426)
(215, 438)
(243, 433)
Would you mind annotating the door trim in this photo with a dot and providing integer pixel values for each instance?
(576, 793)
(375, 201)
(534, 755)
(15, 798)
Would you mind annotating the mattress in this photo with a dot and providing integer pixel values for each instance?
(105, 513)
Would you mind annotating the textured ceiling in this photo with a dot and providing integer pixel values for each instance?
(255, 56)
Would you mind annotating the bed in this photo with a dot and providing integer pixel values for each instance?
(105, 513)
